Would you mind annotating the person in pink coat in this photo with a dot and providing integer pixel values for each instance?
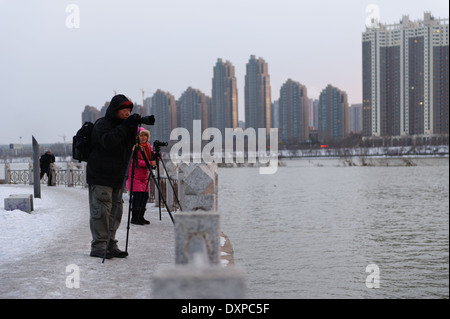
(141, 179)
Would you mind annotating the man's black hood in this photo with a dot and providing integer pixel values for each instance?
(118, 102)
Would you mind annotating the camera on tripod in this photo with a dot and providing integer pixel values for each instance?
(157, 144)
(148, 120)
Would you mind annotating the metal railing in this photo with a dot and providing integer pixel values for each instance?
(75, 175)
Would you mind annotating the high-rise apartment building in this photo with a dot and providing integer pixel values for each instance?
(405, 78)
(193, 105)
(313, 110)
(293, 113)
(90, 114)
(333, 114)
(164, 109)
(257, 95)
(139, 109)
(355, 118)
(148, 105)
(224, 106)
(275, 114)
(104, 108)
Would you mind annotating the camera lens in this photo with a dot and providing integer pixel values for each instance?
(149, 120)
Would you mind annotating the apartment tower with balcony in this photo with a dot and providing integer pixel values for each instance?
(258, 102)
(405, 78)
(224, 104)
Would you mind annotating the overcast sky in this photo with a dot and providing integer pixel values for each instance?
(51, 68)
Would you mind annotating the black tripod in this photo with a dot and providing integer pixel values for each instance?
(150, 175)
(157, 150)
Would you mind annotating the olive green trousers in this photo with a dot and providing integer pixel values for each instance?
(103, 203)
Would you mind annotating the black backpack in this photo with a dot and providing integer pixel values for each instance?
(81, 144)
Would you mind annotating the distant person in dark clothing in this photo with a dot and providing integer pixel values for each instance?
(113, 137)
(45, 162)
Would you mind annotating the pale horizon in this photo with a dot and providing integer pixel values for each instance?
(52, 68)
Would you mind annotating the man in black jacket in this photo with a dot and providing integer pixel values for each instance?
(113, 137)
(45, 162)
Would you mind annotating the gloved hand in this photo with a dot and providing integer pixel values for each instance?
(133, 120)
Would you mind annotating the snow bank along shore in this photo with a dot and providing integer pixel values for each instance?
(39, 251)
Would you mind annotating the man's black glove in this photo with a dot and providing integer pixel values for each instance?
(133, 120)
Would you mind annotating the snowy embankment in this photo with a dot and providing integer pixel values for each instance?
(38, 250)
(55, 213)
(388, 151)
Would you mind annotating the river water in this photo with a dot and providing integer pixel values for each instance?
(311, 229)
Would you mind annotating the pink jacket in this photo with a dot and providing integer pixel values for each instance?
(141, 174)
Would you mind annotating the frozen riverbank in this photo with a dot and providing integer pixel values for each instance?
(38, 250)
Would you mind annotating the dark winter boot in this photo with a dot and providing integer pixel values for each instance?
(136, 216)
(142, 219)
(116, 252)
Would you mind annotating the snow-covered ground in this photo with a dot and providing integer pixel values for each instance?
(39, 252)
(55, 213)
(36, 249)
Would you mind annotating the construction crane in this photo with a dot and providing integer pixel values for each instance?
(64, 137)
(64, 144)
(143, 93)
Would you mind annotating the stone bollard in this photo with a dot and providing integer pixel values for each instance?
(23, 202)
(171, 169)
(168, 169)
(198, 186)
(198, 282)
(199, 224)
(198, 273)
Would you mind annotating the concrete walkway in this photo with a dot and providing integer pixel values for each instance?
(49, 272)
